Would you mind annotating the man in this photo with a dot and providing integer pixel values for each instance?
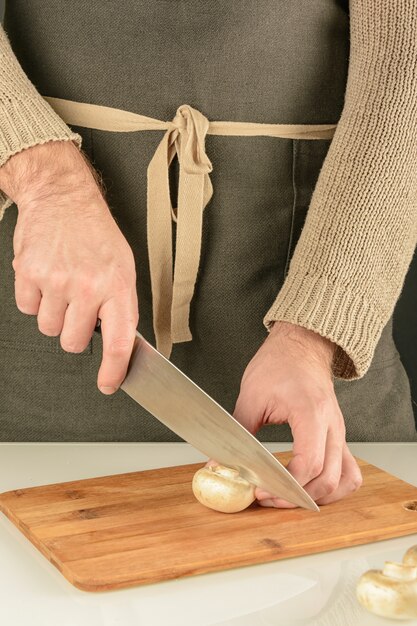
(73, 265)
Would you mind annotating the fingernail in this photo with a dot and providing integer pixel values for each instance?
(107, 390)
(267, 502)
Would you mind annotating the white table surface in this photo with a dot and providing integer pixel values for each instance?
(314, 590)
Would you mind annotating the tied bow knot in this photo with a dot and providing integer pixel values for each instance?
(192, 127)
(173, 287)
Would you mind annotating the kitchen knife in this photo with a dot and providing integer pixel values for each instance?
(168, 394)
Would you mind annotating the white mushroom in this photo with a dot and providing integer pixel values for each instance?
(391, 592)
(410, 557)
(222, 489)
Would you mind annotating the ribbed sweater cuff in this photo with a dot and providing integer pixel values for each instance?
(332, 311)
(27, 119)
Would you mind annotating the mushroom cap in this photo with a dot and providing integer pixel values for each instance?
(222, 489)
(410, 557)
(393, 595)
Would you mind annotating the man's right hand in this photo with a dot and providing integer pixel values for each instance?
(72, 263)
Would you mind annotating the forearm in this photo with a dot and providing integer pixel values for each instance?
(26, 119)
(361, 228)
(40, 171)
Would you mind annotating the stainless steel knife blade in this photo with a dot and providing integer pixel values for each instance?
(174, 399)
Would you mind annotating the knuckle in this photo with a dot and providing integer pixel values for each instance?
(30, 271)
(357, 481)
(315, 406)
(16, 263)
(88, 284)
(87, 290)
(23, 271)
(123, 281)
(22, 264)
(321, 405)
(127, 319)
(119, 347)
(321, 400)
(330, 484)
(315, 467)
(57, 280)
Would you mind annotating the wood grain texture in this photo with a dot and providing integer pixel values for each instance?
(144, 527)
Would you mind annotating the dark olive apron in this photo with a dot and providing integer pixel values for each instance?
(268, 62)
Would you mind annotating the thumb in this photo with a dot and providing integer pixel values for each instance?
(248, 411)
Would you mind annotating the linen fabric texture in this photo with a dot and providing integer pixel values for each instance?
(319, 233)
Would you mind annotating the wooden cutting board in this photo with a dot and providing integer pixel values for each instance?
(143, 527)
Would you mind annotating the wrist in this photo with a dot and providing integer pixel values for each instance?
(313, 342)
(33, 171)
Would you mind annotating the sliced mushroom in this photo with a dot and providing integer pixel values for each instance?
(391, 592)
(222, 489)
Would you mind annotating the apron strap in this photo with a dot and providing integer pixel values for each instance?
(173, 287)
(171, 298)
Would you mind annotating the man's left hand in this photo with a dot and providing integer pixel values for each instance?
(290, 380)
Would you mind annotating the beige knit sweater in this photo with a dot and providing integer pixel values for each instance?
(350, 262)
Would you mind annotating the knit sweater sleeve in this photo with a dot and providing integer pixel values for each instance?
(358, 239)
(26, 119)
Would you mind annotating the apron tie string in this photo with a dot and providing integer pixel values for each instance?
(184, 136)
(171, 298)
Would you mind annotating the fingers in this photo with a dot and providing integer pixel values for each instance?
(75, 322)
(287, 381)
(119, 319)
(211, 463)
(78, 326)
(328, 481)
(309, 446)
(51, 314)
(248, 411)
(27, 295)
(350, 481)
(320, 456)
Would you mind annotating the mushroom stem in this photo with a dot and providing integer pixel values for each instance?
(399, 571)
(410, 557)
